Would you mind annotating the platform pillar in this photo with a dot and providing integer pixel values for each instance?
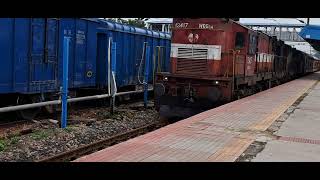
(113, 75)
(146, 75)
(64, 88)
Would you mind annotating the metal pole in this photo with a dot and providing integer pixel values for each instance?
(72, 100)
(159, 60)
(108, 73)
(280, 31)
(113, 73)
(233, 73)
(278, 24)
(154, 66)
(28, 106)
(310, 48)
(64, 93)
(146, 75)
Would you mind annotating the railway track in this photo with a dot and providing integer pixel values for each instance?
(8, 129)
(99, 145)
(13, 124)
(79, 115)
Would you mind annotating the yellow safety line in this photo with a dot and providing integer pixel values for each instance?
(266, 123)
(240, 143)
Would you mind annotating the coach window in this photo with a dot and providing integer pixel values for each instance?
(239, 40)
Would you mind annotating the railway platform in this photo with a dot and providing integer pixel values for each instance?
(298, 137)
(256, 128)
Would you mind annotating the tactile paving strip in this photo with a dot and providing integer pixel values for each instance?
(299, 140)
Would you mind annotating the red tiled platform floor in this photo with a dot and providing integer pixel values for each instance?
(220, 134)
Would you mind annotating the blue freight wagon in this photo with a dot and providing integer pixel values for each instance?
(31, 56)
(129, 44)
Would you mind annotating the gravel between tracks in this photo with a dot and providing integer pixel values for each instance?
(88, 126)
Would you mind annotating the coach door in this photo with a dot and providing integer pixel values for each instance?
(240, 56)
(43, 52)
(252, 50)
(102, 64)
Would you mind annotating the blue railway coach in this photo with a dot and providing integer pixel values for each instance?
(31, 56)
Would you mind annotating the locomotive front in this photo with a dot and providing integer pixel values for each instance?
(199, 66)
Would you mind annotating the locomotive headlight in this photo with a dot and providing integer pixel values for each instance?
(165, 79)
(217, 82)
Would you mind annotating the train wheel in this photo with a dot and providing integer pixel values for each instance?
(28, 114)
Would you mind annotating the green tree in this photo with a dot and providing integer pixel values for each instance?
(137, 22)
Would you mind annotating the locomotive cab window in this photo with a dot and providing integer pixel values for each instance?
(239, 41)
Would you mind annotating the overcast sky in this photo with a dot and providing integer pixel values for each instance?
(299, 45)
(315, 21)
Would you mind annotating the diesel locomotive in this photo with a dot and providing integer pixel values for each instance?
(218, 60)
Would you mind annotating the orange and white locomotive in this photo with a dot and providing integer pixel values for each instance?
(217, 60)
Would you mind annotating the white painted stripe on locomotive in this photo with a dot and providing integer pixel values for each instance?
(214, 51)
(263, 57)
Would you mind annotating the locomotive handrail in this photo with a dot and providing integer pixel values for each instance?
(234, 52)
